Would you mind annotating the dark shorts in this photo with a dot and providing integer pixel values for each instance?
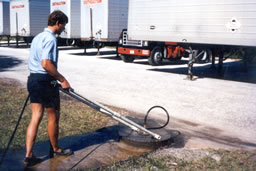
(42, 91)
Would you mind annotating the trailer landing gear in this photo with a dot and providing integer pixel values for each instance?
(202, 56)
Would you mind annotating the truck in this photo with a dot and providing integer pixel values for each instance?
(102, 21)
(197, 29)
(72, 33)
(28, 17)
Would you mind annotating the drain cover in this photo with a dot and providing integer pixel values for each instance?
(139, 138)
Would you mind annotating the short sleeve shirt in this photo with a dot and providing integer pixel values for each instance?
(43, 46)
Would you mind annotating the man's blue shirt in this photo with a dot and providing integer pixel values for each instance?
(43, 46)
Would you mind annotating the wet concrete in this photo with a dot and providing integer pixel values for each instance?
(91, 150)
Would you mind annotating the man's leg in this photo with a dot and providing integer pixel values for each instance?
(37, 115)
(53, 127)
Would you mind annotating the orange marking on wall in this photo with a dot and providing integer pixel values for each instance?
(58, 3)
(91, 2)
(18, 6)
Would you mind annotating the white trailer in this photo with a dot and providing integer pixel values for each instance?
(175, 28)
(72, 9)
(4, 18)
(28, 17)
(103, 20)
(229, 22)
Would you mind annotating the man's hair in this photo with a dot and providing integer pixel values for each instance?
(55, 16)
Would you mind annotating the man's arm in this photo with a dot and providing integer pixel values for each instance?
(51, 69)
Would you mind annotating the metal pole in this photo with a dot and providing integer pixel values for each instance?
(8, 38)
(17, 33)
(112, 114)
(91, 23)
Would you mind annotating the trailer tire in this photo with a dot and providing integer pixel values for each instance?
(127, 58)
(28, 39)
(70, 42)
(205, 57)
(156, 56)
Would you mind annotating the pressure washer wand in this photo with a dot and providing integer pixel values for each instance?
(116, 116)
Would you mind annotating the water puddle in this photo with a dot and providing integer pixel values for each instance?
(91, 150)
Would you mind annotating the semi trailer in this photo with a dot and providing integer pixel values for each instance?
(28, 17)
(102, 21)
(72, 34)
(198, 29)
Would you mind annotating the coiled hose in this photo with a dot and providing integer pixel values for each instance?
(146, 117)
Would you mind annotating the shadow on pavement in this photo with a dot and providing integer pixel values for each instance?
(98, 137)
(114, 57)
(231, 71)
(95, 53)
(63, 48)
(164, 62)
(7, 62)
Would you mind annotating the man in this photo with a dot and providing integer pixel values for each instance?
(43, 94)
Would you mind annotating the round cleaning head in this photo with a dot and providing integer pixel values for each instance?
(132, 137)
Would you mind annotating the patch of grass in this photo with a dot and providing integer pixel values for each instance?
(76, 118)
(229, 160)
(5, 38)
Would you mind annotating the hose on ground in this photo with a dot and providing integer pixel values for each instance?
(13, 133)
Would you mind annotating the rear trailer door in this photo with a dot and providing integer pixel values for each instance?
(72, 10)
(19, 18)
(94, 19)
(64, 6)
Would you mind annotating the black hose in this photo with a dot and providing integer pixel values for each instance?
(10, 141)
(146, 117)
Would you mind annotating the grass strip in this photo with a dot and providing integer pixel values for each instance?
(228, 160)
(76, 117)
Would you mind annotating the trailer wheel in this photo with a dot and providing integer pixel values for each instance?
(205, 57)
(28, 39)
(127, 58)
(156, 56)
(70, 42)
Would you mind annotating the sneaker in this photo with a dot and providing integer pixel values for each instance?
(66, 152)
(31, 161)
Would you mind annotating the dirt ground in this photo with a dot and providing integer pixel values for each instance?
(102, 147)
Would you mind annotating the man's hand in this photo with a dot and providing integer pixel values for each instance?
(65, 85)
